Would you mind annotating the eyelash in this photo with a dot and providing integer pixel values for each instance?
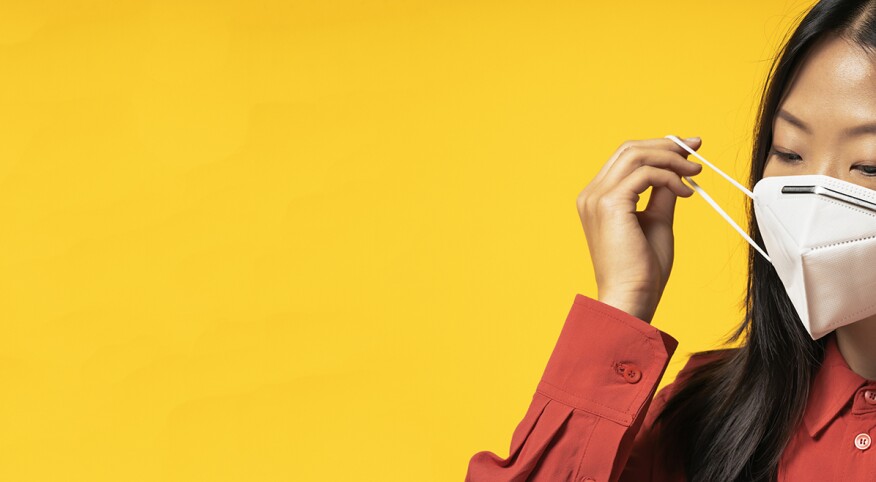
(785, 156)
(867, 170)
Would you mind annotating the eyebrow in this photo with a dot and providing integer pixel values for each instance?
(869, 128)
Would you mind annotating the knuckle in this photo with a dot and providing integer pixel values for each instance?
(581, 200)
(606, 203)
(588, 201)
(626, 145)
(649, 171)
(632, 157)
(630, 150)
(663, 174)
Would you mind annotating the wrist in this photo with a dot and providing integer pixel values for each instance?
(631, 304)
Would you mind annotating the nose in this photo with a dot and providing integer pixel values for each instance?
(828, 164)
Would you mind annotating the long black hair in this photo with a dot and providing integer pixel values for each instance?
(731, 419)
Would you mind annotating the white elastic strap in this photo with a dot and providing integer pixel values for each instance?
(712, 202)
(714, 167)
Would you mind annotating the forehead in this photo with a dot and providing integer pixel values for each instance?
(834, 87)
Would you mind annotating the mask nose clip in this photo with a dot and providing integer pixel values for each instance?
(841, 197)
(696, 187)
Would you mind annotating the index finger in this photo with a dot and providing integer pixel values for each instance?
(663, 142)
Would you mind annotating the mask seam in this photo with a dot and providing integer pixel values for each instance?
(843, 320)
(860, 191)
(840, 243)
(872, 215)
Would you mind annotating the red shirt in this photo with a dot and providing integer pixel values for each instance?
(591, 415)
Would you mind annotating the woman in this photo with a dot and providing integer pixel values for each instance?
(791, 403)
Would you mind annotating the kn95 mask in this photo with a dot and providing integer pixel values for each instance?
(820, 236)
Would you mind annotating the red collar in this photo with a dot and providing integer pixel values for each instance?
(835, 387)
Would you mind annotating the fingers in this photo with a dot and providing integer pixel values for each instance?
(635, 167)
(636, 157)
(627, 191)
(623, 197)
(632, 251)
(662, 144)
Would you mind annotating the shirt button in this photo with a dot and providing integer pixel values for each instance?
(632, 374)
(862, 441)
(629, 372)
(870, 396)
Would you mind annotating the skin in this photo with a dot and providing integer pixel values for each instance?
(833, 90)
(632, 251)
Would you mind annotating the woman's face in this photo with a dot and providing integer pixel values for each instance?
(826, 124)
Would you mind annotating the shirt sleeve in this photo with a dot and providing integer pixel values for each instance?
(590, 403)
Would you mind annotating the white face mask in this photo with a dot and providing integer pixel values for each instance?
(820, 233)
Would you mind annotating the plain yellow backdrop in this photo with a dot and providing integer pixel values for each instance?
(332, 240)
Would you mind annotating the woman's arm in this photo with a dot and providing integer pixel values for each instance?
(589, 404)
(599, 382)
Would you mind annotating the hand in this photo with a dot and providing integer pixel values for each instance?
(632, 251)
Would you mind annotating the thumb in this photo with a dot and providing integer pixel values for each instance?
(662, 203)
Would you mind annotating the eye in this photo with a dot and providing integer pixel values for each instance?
(787, 156)
(867, 170)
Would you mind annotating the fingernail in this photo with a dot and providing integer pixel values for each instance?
(692, 139)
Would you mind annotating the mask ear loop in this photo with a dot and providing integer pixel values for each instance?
(712, 202)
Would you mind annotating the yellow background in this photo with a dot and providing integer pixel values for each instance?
(332, 240)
